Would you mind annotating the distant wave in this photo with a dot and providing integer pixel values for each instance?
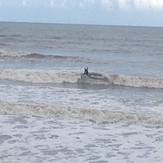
(37, 55)
(3, 35)
(55, 37)
(20, 55)
(42, 56)
(89, 114)
(10, 36)
(54, 77)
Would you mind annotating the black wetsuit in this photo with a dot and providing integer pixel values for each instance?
(86, 71)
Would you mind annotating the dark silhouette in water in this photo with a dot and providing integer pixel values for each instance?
(93, 78)
(86, 71)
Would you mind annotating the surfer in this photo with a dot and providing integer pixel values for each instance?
(86, 71)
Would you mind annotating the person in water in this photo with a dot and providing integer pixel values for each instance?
(86, 71)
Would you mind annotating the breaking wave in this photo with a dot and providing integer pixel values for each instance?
(55, 77)
(39, 76)
(42, 56)
(89, 114)
(136, 81)
(21, 55)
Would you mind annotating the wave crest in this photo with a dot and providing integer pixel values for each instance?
(55, 77)
(43, 56)
(90, 114)
(23, 55)
(39, 76)
(136, 81)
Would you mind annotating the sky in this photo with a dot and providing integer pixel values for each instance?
(105, 12)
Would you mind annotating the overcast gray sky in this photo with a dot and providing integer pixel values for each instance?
(109, 12)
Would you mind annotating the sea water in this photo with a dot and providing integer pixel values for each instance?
(46, 116)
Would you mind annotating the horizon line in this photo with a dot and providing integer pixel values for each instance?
(84, 24)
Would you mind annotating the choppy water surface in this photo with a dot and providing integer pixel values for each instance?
(47, 116)
(53, 140)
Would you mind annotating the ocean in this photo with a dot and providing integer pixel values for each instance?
(46, 115)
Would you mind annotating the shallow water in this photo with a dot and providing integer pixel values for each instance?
(54, 140)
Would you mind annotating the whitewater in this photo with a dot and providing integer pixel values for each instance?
(47, 115)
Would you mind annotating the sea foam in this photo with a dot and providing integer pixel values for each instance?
(88, 114)
(55, 77)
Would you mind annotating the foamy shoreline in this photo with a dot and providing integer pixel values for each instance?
(38, 139)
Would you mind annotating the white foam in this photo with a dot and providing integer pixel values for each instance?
(35, 139)
(52, 76)
(91, 114)
(38, 76)
(11, 53)
(136, 81)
